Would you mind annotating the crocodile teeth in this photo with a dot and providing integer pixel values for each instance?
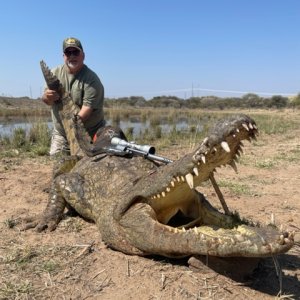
(203, 159)
(233, 165)
(263, 241)
(172, 183)
(291, 235)
(168, 189)
(237, 130)
(225, 146)
(245, 126)
(190, 180)
(281, 239)
(195, 170)
(182, 179)
(254, 126)
(239, 238)
(205, 141)
(68, 189)
(272, 222)
(163, 194)
(250, 126)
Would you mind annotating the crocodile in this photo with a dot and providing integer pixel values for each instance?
(145, 208)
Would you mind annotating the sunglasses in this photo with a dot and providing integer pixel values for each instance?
(75, 52)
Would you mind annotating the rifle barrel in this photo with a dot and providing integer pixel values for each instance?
(150, 156)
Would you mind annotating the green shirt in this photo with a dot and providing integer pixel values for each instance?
(85, 88)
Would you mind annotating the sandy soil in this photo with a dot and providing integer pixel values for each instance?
(73, 263)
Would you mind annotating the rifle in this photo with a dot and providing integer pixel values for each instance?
(124, 148)
(111, 140)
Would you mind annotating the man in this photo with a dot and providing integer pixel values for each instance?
(86, 91)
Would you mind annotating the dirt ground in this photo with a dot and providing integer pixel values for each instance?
(73, 263)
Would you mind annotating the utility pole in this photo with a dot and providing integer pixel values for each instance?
(192, 90)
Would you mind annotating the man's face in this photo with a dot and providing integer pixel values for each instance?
(73, 58)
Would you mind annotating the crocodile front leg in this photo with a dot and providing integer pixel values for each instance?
(56, 204)
(52, 214)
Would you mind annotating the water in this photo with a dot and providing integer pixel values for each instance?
(7, 127)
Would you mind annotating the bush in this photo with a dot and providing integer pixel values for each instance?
(36, 141)
(19, 138)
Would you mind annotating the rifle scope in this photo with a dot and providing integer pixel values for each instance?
(123, 145)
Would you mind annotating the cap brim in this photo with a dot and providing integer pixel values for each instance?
(71, 46)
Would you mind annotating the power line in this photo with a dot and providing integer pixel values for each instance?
(213, 90)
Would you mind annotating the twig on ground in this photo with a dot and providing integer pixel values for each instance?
(87, 249)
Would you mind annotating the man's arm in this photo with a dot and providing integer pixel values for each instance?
(85, 112)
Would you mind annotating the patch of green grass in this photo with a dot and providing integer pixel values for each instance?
(11, 223)
(15, 290)
(36, 142)
(18, 139)
(50, 266)
(23, 266)
(291, 156)
(20, 256)
(266, 163)
(275, 124)
(237, 188)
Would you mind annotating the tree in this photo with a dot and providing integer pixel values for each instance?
(252, 100)
(295, 101)
(278, 101)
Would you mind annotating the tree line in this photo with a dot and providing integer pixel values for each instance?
(208, 102)
(205, 102)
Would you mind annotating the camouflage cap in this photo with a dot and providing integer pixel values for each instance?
(72, 42)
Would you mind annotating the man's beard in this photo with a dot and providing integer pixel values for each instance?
(72, 65)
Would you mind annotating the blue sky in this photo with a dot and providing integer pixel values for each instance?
(157, 47)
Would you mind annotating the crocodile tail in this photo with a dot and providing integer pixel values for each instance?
(52, 81)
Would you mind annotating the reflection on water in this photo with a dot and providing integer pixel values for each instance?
(7, 127)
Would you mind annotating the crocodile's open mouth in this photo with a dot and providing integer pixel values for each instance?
(183, 221)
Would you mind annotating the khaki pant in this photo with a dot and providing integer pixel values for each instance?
(59, 144)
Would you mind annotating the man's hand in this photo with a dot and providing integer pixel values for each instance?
(50, 96)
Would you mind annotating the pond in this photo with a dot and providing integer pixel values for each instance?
(135, 125)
